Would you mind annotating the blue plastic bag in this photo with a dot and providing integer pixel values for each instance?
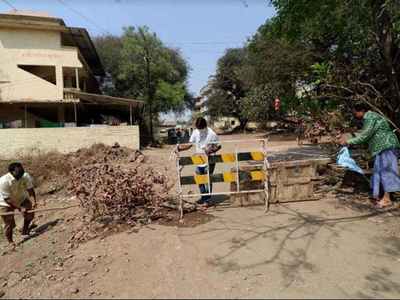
(344, 160)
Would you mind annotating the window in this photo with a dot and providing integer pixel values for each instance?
(47, 73)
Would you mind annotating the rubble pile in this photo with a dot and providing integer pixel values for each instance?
(127, 196)
(100, 153)
(109, 181)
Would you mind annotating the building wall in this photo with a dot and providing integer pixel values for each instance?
(38, 48)
(16, 142)
(29, 39)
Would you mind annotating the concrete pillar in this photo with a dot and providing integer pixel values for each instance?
(26, 115)
(60, 82)
(75, 115)
(77, 78)
(61, 114)
(130, 114)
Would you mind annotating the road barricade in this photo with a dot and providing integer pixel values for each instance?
(258, 172)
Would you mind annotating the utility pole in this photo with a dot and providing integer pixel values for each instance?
(147, 60)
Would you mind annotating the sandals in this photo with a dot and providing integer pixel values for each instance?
(380, 205)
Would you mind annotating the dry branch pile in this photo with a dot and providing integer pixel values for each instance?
(127, 196)
(110, 182)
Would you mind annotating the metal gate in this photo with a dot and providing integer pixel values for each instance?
(258, 159)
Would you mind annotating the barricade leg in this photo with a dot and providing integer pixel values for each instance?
(266, 179)
(180, 198)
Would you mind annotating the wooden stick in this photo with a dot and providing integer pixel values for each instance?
(37, 210)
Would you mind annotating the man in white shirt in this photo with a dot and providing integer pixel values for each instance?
(206, 142)
(16, 192)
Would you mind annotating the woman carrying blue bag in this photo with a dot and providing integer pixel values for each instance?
(384, 147)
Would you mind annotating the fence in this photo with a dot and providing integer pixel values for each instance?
(258, 158)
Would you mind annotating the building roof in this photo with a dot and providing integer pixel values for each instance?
(103, 99)
(17, 19)
(71, 36)
(79, 37)
(31, 13)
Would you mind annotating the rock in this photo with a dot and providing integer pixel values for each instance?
(2, 294)
(90, 258)
(107, 270)
(4, 284)
(74, 291)
(51, 277)
(85, 274)
(13, 279)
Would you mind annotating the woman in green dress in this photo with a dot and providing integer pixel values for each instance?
(384, 147)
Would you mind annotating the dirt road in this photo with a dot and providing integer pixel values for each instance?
(300, 250)
(319, 249)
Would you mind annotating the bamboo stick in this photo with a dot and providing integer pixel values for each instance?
(18, 212)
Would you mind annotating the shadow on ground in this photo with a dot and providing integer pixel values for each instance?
(378, 284)
(290, 243)
(42, 229)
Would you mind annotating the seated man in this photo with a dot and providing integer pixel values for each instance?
(16, 192)
(205, 140)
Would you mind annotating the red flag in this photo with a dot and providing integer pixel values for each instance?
(277, 104)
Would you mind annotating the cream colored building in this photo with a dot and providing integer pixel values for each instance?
(47, 71)
(49, 75)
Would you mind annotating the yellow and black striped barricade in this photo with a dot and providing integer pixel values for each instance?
(236, 176)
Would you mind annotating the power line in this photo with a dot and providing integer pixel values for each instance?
(83, 16)
(9, 4)
(208, 43)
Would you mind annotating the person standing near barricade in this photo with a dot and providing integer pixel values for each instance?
(384, 147)
(16, 192)
(206, 142)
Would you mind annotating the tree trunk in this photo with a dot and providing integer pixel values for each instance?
(389, 50)
(242, 123)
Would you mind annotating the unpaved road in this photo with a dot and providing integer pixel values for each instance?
(303, 250)
(319, 249)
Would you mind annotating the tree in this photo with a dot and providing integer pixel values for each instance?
(109, 50)
(275, 68)
(142, 67)
(359, 41)
(226, 90)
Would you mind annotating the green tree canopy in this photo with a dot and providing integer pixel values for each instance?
(226, 90)
(142, 67)
(319, 55)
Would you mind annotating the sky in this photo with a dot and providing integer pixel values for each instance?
(202, 29)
